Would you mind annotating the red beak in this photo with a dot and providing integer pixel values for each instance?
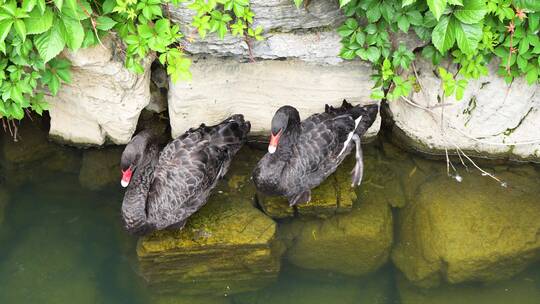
(126, 177)
(274, 141)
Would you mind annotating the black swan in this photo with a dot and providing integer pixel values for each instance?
(303, 154)
(164, 189)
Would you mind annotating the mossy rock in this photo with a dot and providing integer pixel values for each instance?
(100, 168)
(356, 243)
(228, 246)
(522, 289)
(470, 231)
(333, 196)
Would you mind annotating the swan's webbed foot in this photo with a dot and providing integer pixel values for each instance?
(358, 170)
(301, 198)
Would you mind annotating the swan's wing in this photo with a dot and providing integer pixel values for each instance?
(318, 149)
(186, 172)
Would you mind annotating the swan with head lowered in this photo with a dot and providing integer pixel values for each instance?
(302, 154)
(165, 188)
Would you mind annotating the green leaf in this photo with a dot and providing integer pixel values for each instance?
(59, 4)
(28, 5)
(342, 3)
(403, 23)
(437, 7)
(467, 36)
(533, 5)
(373, 54)
(105, 23)
(20, 28)
(74, 33)
(534, 21)
(377, 94)
(407, 2)
(52, 42)
(455, 2)
(41, 5)
(108, 6)
(5, 27)
(473, 11)
(37, 22)
(298, 2)
(351, 23)
(443, 36)
(532, 75)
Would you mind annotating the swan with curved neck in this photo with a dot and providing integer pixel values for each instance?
(165, 188)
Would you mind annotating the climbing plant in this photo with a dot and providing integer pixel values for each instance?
(33, 33)
(469, 33)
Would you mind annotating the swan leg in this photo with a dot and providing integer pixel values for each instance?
(301, 198)
(358, 170)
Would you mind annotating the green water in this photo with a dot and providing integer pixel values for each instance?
(61, 243)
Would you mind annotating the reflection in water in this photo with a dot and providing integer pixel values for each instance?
(62, 243)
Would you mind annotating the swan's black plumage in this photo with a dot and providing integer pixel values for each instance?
(309, 151)
(170, 186)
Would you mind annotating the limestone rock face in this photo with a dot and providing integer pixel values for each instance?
(311, 41)
(103, 101)
(356, 243)
(493, 118)
(227, 247)
(100, 168)
(223, 87)
(470, 231)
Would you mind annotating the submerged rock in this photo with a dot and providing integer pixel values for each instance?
(295, 288)
(357, 243)
(100, 168)
(522, 289)
(470, 231)
(227, 247)
(33, 157)
(333, 196)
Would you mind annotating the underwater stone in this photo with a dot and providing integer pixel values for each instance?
(227, 247)
(356, 243)
(333, 196)
(100, 168)
(522, 289)
(475, 230)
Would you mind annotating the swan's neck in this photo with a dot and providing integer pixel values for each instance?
(134, 204)
(287, 143)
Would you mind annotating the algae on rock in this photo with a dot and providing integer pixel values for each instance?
(470, 231)
(227, 247)
(333, 196)
(356, 243)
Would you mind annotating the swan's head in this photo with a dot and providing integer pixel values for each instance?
(285, 119)
(131, 156)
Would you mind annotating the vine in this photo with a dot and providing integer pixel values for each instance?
(33, 33)
(470, 33)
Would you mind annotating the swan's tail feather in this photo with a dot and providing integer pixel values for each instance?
(231, 131)
(367, 112)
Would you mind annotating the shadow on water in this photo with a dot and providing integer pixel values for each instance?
(61, 243)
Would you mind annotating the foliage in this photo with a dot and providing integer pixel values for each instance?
(33, 33)
(469, 33)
